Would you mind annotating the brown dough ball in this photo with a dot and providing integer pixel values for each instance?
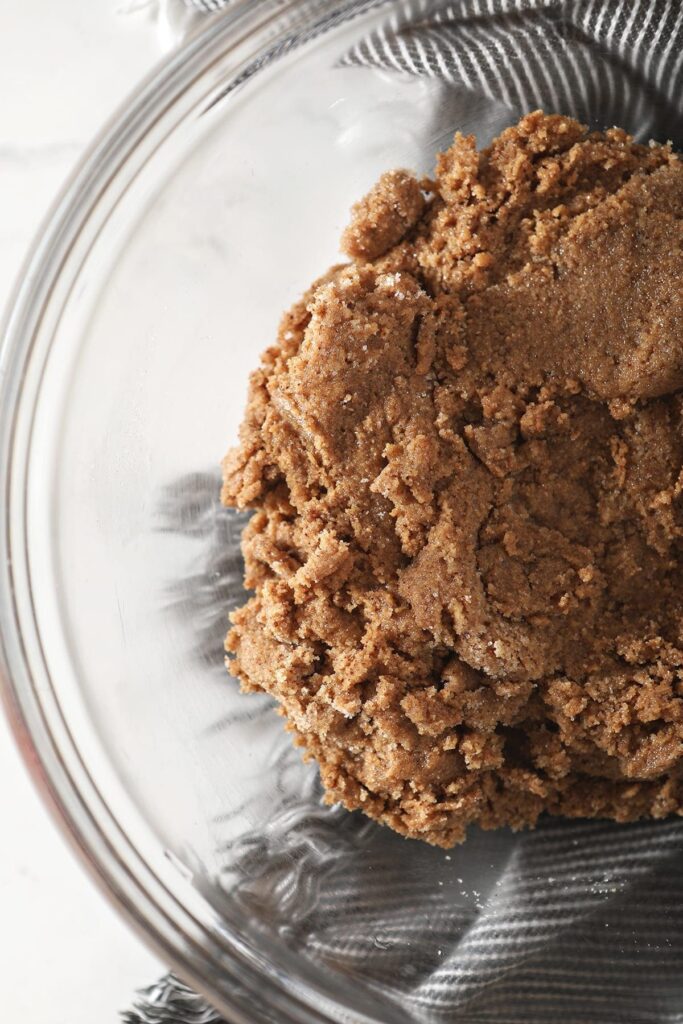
(465, 455)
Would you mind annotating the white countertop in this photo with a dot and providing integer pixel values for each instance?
(65, 956)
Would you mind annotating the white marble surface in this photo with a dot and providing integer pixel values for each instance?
(65, 956)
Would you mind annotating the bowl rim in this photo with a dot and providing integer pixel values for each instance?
(256, 987)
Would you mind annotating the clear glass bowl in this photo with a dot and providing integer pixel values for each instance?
(204, 209)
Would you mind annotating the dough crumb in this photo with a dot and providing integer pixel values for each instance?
(384, 216)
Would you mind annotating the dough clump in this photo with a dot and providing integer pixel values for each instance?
(464, 454)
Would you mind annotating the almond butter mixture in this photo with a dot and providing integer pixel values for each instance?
(464, 454)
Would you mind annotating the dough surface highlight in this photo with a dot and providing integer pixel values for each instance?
(465, 457)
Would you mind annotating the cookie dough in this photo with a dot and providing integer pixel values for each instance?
(464, 455)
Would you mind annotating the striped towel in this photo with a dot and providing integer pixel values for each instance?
(604, 62)
(579, 923)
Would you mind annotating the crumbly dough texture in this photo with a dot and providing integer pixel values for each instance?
(464, 454)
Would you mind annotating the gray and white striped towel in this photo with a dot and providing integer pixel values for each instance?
(603, 61)
(584, 923)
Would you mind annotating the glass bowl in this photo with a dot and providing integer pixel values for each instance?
(206, 206)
